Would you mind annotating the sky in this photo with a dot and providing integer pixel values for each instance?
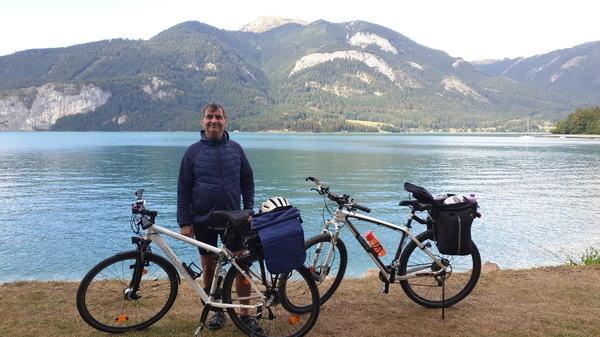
(470, 29)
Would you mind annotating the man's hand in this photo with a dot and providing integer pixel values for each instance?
(187, 231)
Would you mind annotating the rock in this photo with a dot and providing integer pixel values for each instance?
(372, 273)
(489, 267)
(38, 108)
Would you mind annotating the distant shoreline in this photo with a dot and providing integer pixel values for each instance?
(298, 132)
(572, 136)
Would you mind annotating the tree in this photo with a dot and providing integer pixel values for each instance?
(582, 121)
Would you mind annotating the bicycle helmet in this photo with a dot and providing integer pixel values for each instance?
(272, 203)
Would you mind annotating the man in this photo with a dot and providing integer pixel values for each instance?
(214, 175)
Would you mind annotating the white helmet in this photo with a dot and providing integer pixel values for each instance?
(272, 203)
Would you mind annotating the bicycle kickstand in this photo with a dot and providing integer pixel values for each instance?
(203, 317)
(443, 297)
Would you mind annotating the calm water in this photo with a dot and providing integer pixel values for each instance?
(65, 197)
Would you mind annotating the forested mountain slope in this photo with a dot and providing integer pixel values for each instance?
(301, 77)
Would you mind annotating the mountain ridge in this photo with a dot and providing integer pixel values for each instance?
(573, 72)
(309, 77)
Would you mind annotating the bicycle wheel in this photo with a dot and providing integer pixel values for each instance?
(462, 274)
(320, 244)
(276, 315)
(101, 297)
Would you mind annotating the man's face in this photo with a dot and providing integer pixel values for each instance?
(214, 123)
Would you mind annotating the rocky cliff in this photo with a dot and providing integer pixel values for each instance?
(38, 108)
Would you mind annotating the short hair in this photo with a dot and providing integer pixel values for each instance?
(213, 107)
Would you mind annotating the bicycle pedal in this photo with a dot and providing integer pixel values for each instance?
(385, 288)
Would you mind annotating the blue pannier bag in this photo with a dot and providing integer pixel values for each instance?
(282, 237)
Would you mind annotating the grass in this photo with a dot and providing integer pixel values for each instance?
(367, 123)
(590, 257)
(549, 301)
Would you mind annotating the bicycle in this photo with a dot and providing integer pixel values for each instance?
(427, 277)
(134, 289)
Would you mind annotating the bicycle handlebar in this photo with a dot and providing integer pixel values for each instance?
(138, 206)
(341, 201)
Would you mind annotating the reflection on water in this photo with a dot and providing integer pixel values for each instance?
(65, 197)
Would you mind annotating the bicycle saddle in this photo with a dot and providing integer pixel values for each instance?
(235, 217)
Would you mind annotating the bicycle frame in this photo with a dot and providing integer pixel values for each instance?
(153, 234)
(133, 289)
(342, 216)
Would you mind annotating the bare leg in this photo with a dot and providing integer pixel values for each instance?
(243, 289)
(209, 265)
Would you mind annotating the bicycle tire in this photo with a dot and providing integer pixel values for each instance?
(464, 272)
(101, 301)
(276, 316)
(337, 265)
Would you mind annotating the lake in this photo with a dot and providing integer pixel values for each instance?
(65, 198)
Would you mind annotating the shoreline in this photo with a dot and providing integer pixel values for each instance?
(536, 134)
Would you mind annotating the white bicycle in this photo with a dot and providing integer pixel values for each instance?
(134, 289)
(428, 277)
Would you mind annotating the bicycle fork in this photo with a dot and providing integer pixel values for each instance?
(130, 293)
(324, 272)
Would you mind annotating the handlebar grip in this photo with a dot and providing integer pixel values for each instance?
(362, 208)
(313, 179)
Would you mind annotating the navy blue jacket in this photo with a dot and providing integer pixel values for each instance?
(214, 175)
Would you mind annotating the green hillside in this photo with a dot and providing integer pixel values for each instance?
(307, 78)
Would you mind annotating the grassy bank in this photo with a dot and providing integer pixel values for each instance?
(556, 301)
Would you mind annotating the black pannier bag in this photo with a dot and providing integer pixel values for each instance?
(282, 238)
(234, 234)
(452, 227)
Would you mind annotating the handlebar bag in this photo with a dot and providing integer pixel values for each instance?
(282, 237)
(452, 227)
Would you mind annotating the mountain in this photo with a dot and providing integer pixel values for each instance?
(264, 23)
(294, 75)
(572, 72)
